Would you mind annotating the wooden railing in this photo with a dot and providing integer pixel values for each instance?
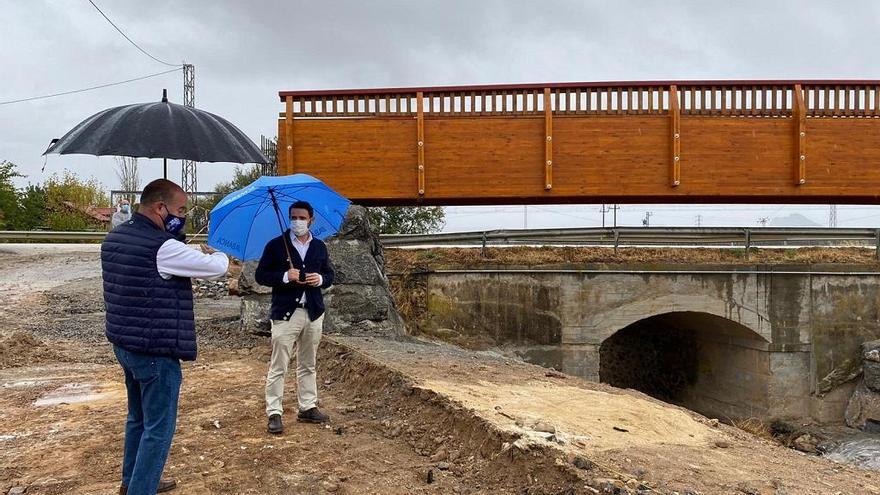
(717, 98)
(664, 141)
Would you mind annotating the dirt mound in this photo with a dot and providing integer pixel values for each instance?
(21, 348)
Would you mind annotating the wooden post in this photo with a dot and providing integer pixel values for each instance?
(799, 113)
(288, 135)
(675, 115)
(548, 140)
(420, 144)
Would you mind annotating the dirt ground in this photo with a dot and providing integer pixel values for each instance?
(409, 416)
(408, 260)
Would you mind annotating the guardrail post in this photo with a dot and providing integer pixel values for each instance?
(877, 243)
(748, 233)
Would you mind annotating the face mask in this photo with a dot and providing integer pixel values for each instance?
(125, 208)
(173, 223)
(299, 227)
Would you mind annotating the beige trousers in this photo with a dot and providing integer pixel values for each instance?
(305, 335)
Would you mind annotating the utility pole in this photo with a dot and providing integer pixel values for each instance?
(603, 211)
(525, 216)
(832, 216)
(614, 209)
(699, 220)
(763, 221)
(647, 220)
(188, 180)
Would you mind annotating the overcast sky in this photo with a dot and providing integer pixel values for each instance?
(245, 52)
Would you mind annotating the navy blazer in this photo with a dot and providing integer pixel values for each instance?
(273, 265)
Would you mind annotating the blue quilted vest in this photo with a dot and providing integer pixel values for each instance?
(145, 313)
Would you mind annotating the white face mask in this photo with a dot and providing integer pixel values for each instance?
(299, 227)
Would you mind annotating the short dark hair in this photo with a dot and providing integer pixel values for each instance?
(303, 205)
(159, 190)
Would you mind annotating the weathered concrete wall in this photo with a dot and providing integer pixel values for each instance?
(779, 329)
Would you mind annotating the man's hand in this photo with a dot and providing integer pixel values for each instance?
(207, 249)
(313, 279)
(293, 276)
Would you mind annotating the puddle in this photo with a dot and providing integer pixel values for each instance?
(862, 452)
(73, 393)
(29, 383)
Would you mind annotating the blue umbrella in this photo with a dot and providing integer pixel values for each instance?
(245, 220)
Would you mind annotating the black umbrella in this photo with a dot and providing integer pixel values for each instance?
(159, 130)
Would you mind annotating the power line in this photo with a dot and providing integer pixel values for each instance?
(129, 39)
(9, 102)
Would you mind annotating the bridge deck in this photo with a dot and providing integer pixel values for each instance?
(652, 142)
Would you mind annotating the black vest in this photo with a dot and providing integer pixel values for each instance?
(145, 313)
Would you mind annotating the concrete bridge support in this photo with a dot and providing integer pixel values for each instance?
(727, 341)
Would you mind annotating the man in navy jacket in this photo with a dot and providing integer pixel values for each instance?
(296, 266)
(149, 320)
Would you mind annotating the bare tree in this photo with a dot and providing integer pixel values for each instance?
(127, 172)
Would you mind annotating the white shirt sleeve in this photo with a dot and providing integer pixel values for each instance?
(175, 258)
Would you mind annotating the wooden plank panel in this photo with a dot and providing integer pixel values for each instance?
(737, 156)
(359, 157)
(472, 157)
(844, 157)
(610, 155)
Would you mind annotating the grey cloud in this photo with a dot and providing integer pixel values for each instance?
(244, 52)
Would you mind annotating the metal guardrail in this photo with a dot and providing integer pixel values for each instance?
(56, 236)
(652, 236)
(616, 237)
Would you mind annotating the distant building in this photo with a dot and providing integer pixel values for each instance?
(97, 216)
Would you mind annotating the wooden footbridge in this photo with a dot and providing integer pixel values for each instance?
(609, 142)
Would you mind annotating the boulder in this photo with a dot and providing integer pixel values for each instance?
(246, 283)
(846, 371)
(255, 314)
(806, 443)
(871, 364)
(863, 407)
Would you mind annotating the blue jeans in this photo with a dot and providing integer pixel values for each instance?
(153, 384)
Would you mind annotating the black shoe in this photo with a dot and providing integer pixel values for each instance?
(164, 486)
(275, 425)
(312, 415)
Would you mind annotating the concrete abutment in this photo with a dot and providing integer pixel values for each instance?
(727, 341)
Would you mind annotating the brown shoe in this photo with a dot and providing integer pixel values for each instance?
(164, 486)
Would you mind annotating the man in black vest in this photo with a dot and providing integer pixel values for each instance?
(297, 267)
(149, 319)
